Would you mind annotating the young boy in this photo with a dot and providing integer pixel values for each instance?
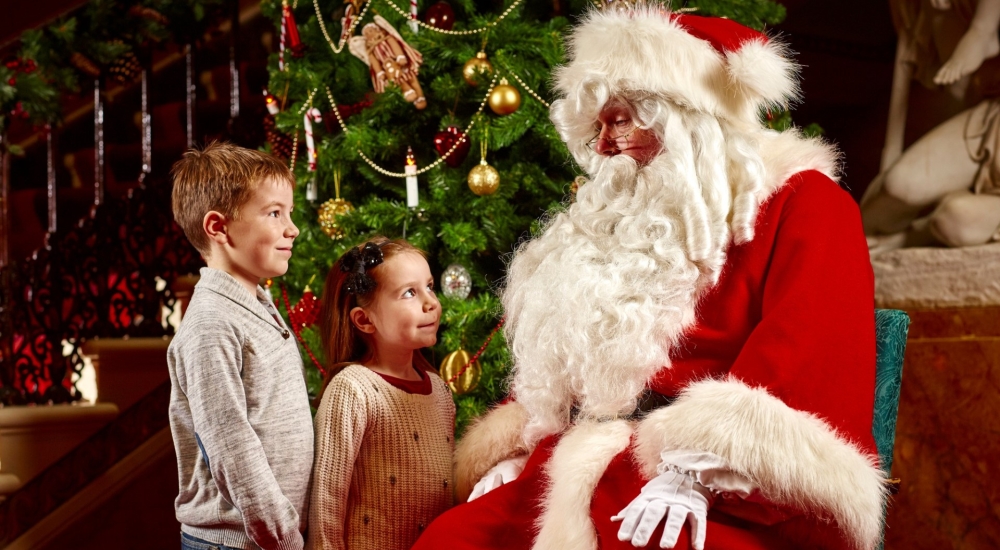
(239, 412)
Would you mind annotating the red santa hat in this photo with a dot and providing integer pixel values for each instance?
(703, 63)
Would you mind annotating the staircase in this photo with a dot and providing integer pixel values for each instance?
(96, 291)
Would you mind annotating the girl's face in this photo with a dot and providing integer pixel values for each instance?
(406, 311)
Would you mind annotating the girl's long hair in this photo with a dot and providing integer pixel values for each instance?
(343, 343)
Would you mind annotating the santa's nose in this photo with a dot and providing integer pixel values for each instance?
(605, 146)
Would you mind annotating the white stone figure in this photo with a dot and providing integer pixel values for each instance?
(945, 188)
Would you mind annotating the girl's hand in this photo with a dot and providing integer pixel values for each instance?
(503, 473)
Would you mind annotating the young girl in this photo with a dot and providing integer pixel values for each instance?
(385, 421)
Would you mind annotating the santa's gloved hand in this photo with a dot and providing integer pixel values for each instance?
(504, 472)
(674, 495)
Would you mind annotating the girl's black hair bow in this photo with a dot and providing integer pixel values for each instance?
(357, 261)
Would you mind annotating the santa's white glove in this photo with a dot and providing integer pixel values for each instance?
(676, 496)
(504, 472)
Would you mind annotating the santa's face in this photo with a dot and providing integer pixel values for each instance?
(619, 132)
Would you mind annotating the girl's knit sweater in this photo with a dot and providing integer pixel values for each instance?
(383, 465)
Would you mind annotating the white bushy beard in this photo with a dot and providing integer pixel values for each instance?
(596, 303)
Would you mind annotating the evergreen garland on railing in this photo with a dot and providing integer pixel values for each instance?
(104, 38)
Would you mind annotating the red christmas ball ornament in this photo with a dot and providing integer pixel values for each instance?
(440, 15)
(12, 81)
(445, 140)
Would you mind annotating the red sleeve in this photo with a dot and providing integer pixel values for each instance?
(794, 413)
(814, 347)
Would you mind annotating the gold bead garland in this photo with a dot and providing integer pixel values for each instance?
(430, 166)
(354, 24)
(529, 90)
(488, 26)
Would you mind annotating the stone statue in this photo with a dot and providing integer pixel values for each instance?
(945, 188)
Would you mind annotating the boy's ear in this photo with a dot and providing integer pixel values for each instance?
(215, 226)
(362, 321)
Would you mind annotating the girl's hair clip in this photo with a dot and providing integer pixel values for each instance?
(357, 261)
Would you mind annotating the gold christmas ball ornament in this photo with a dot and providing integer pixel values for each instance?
(504, 99)
(477, 69)
(460, 381)
(329, 212)
(484, 179)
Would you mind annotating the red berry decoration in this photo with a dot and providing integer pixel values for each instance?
(440, 15)
(13, 64)
(304, 314)
(12, 81)
(445, 140)
(29, 66)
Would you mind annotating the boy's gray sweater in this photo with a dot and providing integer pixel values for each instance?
(240, 419)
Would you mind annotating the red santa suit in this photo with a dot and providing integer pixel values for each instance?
(792, 315)
(775, 377)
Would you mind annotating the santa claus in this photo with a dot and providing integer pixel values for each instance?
(693, 338)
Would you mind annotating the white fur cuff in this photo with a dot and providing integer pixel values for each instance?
(794, 457)
(492, 438)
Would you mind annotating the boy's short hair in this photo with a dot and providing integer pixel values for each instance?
(220, 177)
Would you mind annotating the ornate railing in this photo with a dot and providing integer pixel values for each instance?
(109, 276)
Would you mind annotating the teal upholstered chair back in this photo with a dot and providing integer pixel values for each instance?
(890, 343)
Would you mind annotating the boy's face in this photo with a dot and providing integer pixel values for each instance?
(406, 311)
(260, 241)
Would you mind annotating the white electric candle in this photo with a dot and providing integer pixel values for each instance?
(411, 179)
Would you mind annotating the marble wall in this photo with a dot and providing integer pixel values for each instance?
(947, 451)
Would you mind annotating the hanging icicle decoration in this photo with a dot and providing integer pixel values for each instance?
(50, 178)
(98, 143)
(147, 128)
(234, 62)
(189, 96)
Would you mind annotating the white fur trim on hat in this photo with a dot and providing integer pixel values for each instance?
(794, 457)
(645, 50)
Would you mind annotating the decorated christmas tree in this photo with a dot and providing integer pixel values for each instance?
(427, 121)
